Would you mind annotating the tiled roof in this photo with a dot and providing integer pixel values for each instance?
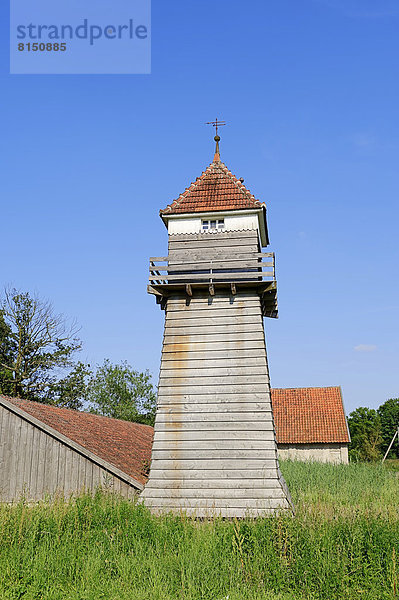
(125, 445)
(301, 416)
(309, 416)
(217, 189)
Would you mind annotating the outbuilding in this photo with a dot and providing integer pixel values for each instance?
(47, 450)
(311, 424)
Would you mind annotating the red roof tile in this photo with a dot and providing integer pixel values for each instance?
(309, 416)
(125, 445)
(217, 189)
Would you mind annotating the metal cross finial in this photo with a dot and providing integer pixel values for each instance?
(216, 124)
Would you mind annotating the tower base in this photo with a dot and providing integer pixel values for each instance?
(215, 451)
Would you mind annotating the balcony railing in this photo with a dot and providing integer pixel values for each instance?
(258, 268)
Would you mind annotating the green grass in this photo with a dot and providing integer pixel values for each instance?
(357, 489)
(342, 544)
(392, 463)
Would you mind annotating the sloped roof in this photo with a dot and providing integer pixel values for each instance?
(309, 416)
(301, 416)
(217, 189)
(125, 445)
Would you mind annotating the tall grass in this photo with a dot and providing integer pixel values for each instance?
(355, 489)
(343, 544)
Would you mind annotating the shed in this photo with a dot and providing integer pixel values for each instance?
(47, 450)
(310, 424)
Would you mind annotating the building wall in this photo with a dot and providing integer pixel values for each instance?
(34, 464)
(214, 448)
(333, 453)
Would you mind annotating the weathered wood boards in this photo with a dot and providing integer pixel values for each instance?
(226, 257)
(214, 449)
(34, 463)
(222, 260)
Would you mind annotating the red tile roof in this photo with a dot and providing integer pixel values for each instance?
(301, 416)
(217, 189)
(125, 445)
(309, 416)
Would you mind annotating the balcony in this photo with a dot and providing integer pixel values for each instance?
(168, 274)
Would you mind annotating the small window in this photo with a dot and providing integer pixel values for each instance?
(213, 225)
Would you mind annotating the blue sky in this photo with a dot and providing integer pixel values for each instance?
(309, 89)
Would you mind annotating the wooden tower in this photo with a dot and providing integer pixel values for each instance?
(214, 449)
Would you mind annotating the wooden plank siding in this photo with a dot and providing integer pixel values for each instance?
(214, 448)
(35, 464)
(230, 256)
(225, 259)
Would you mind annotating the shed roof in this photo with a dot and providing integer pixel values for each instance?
(124, 444)
(309, 416)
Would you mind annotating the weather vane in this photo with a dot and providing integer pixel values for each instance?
(216, 124)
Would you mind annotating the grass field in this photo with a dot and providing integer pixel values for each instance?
(342, 544)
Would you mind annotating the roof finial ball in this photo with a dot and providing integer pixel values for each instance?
(216, 124)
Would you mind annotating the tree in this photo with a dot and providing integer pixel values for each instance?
(365, 430)
(36, 344)
(389, 415)
(7, 350)
(71, 390)
(120, 392)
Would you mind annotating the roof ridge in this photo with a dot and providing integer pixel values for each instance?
(317, 387)
(71, 410)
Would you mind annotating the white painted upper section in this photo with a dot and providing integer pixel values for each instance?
(232, 222)
(186, 225)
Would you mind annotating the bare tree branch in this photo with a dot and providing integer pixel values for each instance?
(41, 340)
